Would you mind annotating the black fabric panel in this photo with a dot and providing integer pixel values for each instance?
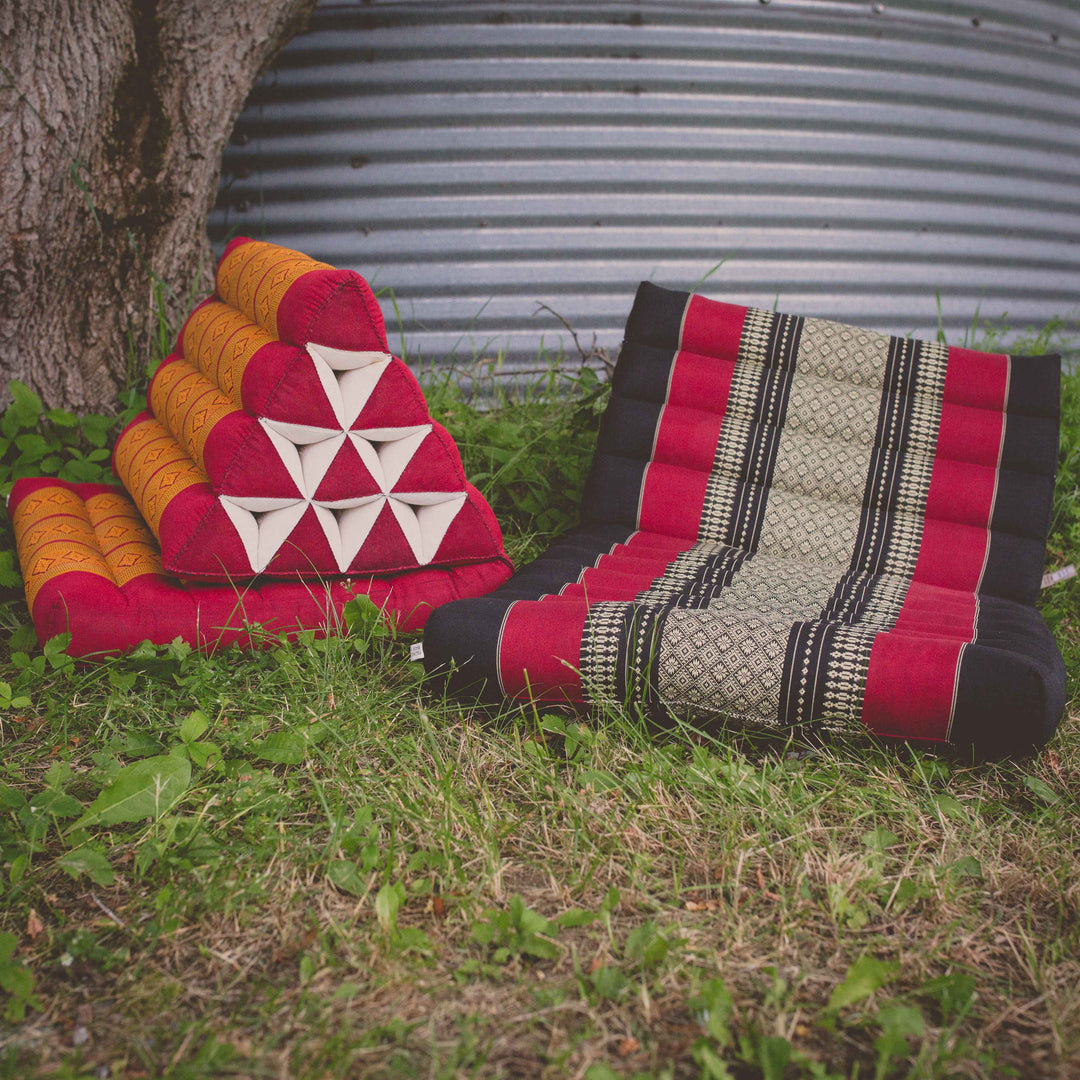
(1005, 624)
(461, 645)
(872, 543)
(1014, 567)
(563, 562)
(1007, 703)
(642, 372)
(540, 578)
(1035, 386)
(656, 317)
(1023, 505)
(587, 544)
(715, 575)
(613, 490)
(1031, 444)
(629, 428)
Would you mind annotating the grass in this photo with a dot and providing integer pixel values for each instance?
(341, 873)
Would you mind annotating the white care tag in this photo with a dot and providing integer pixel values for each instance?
(1055, 576)
(416, 651)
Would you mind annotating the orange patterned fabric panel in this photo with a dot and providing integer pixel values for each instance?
(54, 535)
(153, 467)
(189, 405)
(254, 277)
(220, 342)
(129, 549)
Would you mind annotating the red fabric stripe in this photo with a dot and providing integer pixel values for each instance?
(971, 435)
(977, 379)
(910, 685)
(951, 555)
(672, 499)
(540, 650)
(687, 437)
(911, 681)
(712, 328)
(697, 381)
(961, 492)
(937, 610)
(645, 541)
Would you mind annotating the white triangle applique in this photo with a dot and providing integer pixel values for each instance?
(425, 523)
(348, 379)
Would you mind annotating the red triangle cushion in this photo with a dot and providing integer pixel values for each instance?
(278, 420)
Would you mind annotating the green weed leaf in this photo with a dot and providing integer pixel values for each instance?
(951, 808)
(194, 726)
(26, 406)
(145, 789)
(863, 977)
(576, 917)
(96, 428)
(62, 418)
(953, 993)
(11, 798)
(16, 980)
(713, 1007)
(966, 866)
(10, 577)
(609, 982)
(387, 903)
(599, 1071)
(364, 619)
(880, 839)
(1042, 791)
(897, 1023)
(89, 861)
(56, 804)
(773, 1053)
(206, 755)
(710, 1063)
(55, 650)
(345, 876)
(282, 748)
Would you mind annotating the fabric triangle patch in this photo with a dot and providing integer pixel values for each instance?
(395, 402)
(347, 477)
(434, 466)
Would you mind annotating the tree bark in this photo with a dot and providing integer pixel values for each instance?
(114, 116)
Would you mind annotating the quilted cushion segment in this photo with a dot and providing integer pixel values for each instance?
(791, 522)
(92, 569)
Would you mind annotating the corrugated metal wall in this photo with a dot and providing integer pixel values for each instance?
(849, 160)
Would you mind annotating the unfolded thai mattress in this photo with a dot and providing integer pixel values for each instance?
(792, 523)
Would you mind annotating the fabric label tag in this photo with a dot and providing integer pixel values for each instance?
(416, 650)
(1055, 576)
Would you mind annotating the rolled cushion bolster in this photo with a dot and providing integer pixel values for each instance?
(297, 300)
(92, 569)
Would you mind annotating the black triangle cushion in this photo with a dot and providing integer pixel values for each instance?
(789, 522)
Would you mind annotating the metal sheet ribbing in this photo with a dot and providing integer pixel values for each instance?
(848, 160)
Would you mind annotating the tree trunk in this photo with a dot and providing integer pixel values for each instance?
(114, 116)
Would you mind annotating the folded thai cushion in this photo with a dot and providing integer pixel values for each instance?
(793, 522)
(283, 439)
(92, 569)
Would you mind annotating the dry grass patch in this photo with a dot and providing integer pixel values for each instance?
(350, 876)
